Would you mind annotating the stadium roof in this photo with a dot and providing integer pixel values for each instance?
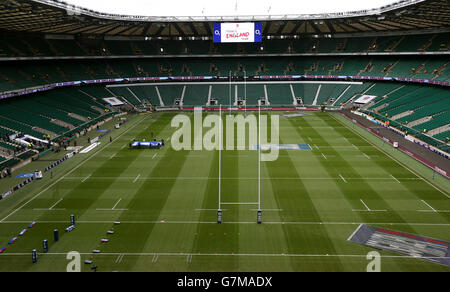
(264, 9)
(57, 17)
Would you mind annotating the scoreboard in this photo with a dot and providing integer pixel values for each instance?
(241, 32)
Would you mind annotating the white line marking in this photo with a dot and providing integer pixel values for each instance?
(89, 148)
(73, 169)
(123, 146)
(117, 203)
(55, 204)
(437, 211)
(324, 156)
(119, 258)
(239, 254)
(236, 222)
(395, 178)
(43, 209)
(209, 209)
(112, 156)
(139, 175)
(434, 210)
(367, 156)
(246, 178)
(354, 146)
(239, 203)
(154, 155)
(316, 147)
(342, 178)
(274, 210)
(368, 209)
(347, 147)
(155, 258)
(354, 232)
(189, 258)
(86, 178)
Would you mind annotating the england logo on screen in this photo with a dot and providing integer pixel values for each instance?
(245, 32)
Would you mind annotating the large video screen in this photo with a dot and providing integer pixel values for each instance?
(242, 32)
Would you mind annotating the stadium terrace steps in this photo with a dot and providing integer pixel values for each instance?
(425, 97)
(32, 104)
(437, 120)
(354, 90)
(417, 95)
(331, 92)
(19, 127)
(382, 89)
(95, 92)
(8, 146)
(419, 121)
(47, 132)
(6, 131)
(125, 93)
(145, 93)
(439, 43)
(439, 130)
(428, 109)
(394, 96)
(78, 117)
(62, 124)
(307, 91)
(401, 115)
(444, 136)
(254, 92)
(28, 117)
(413, 43)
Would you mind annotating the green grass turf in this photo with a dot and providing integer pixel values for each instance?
(167, 204)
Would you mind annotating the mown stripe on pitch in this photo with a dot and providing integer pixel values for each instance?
(217, 238)
(211, 238)
(294, 199)
(147, 204)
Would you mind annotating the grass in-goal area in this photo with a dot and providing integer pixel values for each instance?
(167, 201)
